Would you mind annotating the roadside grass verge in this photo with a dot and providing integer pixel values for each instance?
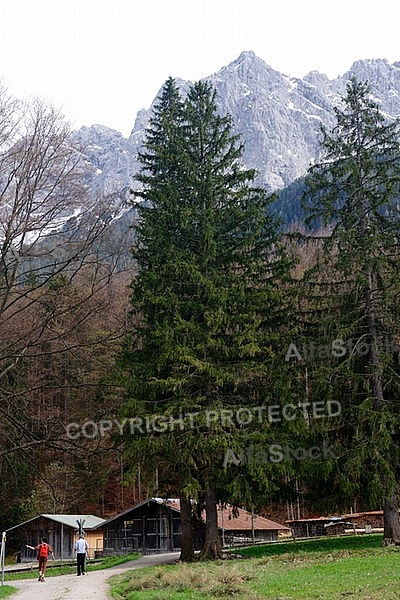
(106, 563)
(326, 569)
(6, 591)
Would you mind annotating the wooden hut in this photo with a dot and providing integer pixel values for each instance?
(61, 532)
(366, 522)
(363, 522)
(315, 526)
(150, 527)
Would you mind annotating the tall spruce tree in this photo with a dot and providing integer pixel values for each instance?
(354, 192)
(160, 233)
(207, 296)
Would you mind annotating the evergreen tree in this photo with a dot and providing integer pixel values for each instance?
(207, 297)
(354, 193)
(160, 238)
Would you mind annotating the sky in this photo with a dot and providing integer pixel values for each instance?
(100, 61)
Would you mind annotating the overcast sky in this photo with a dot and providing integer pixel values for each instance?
(101, 61)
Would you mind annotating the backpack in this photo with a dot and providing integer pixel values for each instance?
(43, 550)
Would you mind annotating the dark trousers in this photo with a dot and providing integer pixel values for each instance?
(80, 562)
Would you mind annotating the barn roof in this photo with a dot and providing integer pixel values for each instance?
(348, 516)
(172, 504)
(91, 521)
(228, 518)
(314, 520)
(240, 519)
(368, 513)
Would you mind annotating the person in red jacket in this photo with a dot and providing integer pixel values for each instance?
(43, 553)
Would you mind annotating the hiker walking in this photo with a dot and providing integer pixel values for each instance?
(43, 550)
(81, 548)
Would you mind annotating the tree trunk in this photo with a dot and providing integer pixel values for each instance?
(376, 384)
(391, 521)
(187, 548)
(212, 544)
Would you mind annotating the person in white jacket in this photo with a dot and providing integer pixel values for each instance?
(81, 548)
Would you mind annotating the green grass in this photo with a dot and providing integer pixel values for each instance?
(106, 563)
(6, 590)
(323, 544)
(326, 569)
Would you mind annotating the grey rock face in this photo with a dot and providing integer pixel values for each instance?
(278, 117)
(109, 156)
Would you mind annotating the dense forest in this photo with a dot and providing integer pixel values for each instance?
(230, 346)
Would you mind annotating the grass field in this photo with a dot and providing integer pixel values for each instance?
(328, 569)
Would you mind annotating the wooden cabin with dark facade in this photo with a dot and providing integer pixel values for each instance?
(154, 526)
(150, 527)
(61, 532)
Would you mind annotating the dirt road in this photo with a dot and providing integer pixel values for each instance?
(92, 586)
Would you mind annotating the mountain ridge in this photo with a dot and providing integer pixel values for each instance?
(277, 116)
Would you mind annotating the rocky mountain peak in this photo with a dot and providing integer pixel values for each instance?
(250, 70)
(246, 55)
(279, 118)
(383, 79)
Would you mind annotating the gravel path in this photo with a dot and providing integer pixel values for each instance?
(91, 586)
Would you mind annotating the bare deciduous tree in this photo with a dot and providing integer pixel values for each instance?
(55, 275)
